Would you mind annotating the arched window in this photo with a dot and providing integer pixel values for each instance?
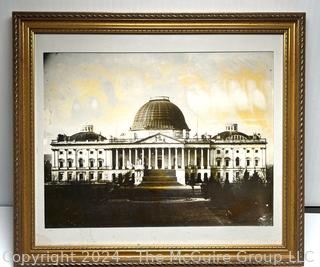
(91, 163)
(218, 162)
(100, 163)
(61, 163)
(80, 163)
(227, 162)
(237, 161)
(248, 162)
(69, 163)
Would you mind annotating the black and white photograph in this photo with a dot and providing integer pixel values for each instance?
(158, 139)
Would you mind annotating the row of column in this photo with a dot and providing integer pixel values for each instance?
(176, 154)
(171, 154)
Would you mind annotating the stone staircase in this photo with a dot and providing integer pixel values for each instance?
(159, 178)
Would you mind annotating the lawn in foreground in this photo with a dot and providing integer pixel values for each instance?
(96, 206)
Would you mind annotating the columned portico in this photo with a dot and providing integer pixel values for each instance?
(123, 159)
(156, 158)
(117, 159)
(149, 158)
(111, 159)
(130, 155)
(176, 158)
(201, 158)
(182, 158)
(162, 159)
(142, 155)
(135, 156)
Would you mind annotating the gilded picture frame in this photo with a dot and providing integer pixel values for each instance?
(291, 29)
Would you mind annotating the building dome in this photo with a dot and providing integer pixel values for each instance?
(86, 136)
(159, 114)
(232, 134)
(228, 135)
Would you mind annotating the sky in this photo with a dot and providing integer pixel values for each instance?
(107, 89)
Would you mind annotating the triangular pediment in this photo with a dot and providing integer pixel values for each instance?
(159, 139)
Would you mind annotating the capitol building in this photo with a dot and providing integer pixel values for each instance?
(157, 148)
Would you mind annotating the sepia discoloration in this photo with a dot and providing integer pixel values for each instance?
(290, 25)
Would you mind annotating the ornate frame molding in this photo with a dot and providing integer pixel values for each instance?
(291, 25)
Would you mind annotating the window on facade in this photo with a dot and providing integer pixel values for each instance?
(218, 175)
(256, 151)
(237, 161)
(237, 151)
(81, 176)
(227, 151)
(218, 162)
(69, 176)
(248, 162)
(80, 152)
(91, 175)
(248, 151)
(69, 163)
(60, 177)
(70, 152)
(227, 163)
(227, 175)
(91, 163)
(100, 163)
(237, 174)
(61, 152)
(61, 164)
(218, 151)
(100, 152)
(80, 163)
(256, 162)
(99, 175)
(91, 152)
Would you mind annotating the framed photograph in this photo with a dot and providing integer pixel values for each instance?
(159, 139)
